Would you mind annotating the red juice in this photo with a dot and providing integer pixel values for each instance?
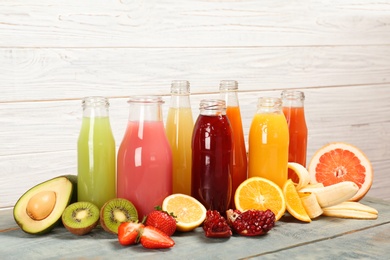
(211, 161)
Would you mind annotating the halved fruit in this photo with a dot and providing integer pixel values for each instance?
(338, 162)
(189, 212)
(40, 208)
(261, 194)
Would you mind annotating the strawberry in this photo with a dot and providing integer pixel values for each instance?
(162, 220)
(128, 233)
(154, 238)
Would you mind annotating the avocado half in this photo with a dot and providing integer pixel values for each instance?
(40, 208)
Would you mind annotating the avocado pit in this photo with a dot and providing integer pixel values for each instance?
(41, 205)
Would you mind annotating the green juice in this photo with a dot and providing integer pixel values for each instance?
(96, 161)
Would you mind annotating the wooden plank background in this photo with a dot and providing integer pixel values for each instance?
(53, 53)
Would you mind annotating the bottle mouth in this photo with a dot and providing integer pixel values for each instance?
(269, 102)
(291, 94)
(146, 99)
(180, 87)
(95, 101)
(212, 104)
(228, 85)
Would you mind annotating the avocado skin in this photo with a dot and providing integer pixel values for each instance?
(72, 179)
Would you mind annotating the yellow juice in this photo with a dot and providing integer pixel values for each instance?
(268, 147)
(179, 128)
(96, 161)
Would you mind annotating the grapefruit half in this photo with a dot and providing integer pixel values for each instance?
(339, 161)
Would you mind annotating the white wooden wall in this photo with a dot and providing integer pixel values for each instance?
(53, 53)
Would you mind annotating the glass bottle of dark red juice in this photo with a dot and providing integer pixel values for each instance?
(211, 156)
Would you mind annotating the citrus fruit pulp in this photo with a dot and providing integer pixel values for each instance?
(337, 162)
(293, 202)
(189, 212)
(261, 194)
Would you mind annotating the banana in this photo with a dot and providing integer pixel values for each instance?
(314, 185)
(333, 194)
(310, 203)
(301, 172)
(349, 209)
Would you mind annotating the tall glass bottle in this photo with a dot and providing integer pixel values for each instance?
(268, 142)
(96, 153)
(228, 92)
(211, 156)
(144, 156)
(179, 128)
(293, 109)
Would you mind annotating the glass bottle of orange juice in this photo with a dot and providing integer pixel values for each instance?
(228, 92)
(144, 156)
(293, 109)
(96, 153)
(268, 142)
(179, 128)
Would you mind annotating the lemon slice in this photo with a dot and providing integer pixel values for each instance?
(189, 212)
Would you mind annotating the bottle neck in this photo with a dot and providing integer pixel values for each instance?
(180, 94)
(268, 105)
(228, 92)
(293, 98)
(95, 107)
(212, 107)
(145, 108)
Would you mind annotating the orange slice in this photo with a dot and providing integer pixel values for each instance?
(261, 194)
(338, 162)
(293, 202)
(189, 212)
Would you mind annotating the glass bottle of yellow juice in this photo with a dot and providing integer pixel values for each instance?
(96, 153)
(179, 128)
(269, 142)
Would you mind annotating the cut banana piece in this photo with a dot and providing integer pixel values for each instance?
(301, 172)
(310, 203)
(333, 194)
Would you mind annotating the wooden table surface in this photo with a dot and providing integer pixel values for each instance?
(323, 238)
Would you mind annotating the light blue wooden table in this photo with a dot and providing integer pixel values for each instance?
(323, 238)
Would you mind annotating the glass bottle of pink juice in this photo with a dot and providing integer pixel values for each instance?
(144, 156)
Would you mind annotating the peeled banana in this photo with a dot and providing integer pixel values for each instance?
(333, 194)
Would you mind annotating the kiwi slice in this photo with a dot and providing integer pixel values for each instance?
(80, 217)
(116, 211)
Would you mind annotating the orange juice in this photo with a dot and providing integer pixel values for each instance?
(268, 142)
(179, 132)
(228, 91)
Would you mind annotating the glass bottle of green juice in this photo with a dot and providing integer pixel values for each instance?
(96, 153)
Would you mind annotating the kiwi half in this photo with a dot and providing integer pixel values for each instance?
(80, 217)
(116, 211)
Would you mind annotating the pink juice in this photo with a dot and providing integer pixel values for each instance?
(144, 166)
